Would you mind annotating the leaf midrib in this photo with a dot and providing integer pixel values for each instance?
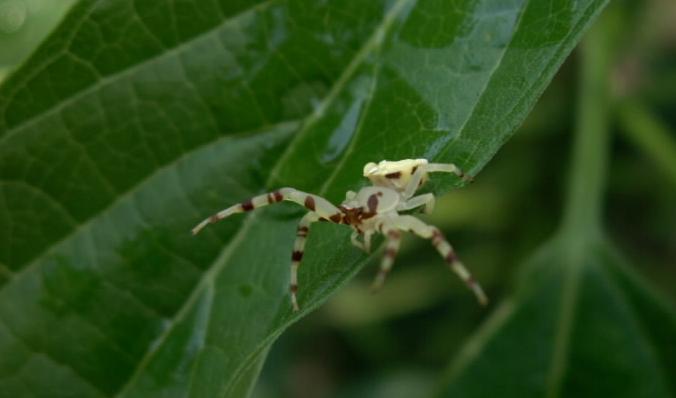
(374, 40)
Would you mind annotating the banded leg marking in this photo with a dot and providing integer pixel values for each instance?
(448, 168)
(445, 250)
(298, 249)
(314, 203)
(391, 250)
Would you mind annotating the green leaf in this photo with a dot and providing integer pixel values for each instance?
(135, 120)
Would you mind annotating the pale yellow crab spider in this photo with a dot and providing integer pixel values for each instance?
(372, 209)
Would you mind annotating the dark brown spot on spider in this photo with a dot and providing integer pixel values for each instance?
(451, 257)
(297, 255)
(336, 218)
(372, 203)
(302, 231)
(293, 288)
(470, 281)
(366, 216)
(394, 175)
(247, 205)
(414, 169)
(310, 203)
(437, 237)
(278, 196)
(391, 252)
(353, 216)
(214, 218)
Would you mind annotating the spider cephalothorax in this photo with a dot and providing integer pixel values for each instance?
(373, 209)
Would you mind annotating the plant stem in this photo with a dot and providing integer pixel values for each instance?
(650, 134)
(582, 215)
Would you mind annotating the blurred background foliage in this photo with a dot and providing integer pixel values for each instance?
(397, 343)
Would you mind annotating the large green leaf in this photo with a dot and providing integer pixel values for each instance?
(136, 119)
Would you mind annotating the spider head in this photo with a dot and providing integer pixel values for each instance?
(393, 174)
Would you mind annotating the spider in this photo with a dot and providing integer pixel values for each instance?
(373, 209)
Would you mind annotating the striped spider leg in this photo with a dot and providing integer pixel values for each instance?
(412, 224)
(391, 249)
(319, 209)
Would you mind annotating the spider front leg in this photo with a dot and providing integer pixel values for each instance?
(314, 203)
(391, 250)
(421, 171)
(444, 248)
(298, 249)
(426, 200)
(415, 181)
(366, 244)
(354, 238)
(448, 168)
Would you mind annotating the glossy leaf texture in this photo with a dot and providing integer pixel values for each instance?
(134, 120)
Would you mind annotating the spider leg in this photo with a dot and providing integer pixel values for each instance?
(391, 250)
(355, 241)
(367, 240)
(298, 249)
(444, 248)
(415, 181)
(314, 203)
(447, 168)
(426, 199)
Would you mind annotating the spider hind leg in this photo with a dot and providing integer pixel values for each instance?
(302, 232)
(446, 251)
(391, 250)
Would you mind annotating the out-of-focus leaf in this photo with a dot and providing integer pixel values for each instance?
(651, 135)
(581, 325)
(135, 120)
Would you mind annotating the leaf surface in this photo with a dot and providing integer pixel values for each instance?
(134, 120)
